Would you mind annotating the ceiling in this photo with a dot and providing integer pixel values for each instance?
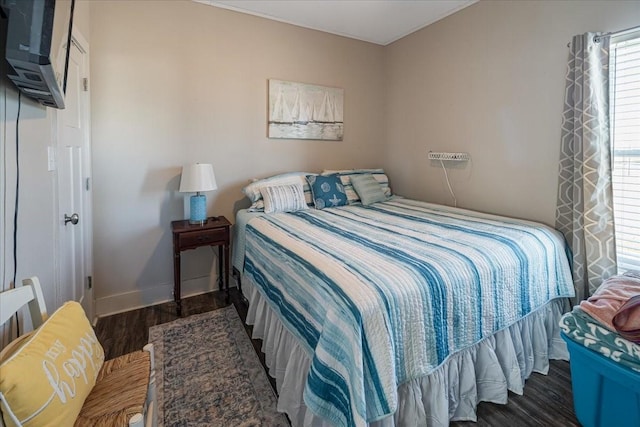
(376, 21)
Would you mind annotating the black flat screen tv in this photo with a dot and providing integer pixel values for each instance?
(37, 49)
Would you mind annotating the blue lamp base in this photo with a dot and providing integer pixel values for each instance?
(198, 209)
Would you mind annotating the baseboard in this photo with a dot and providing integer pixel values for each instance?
(128, 301)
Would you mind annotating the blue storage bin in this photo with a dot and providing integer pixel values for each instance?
(605, 393)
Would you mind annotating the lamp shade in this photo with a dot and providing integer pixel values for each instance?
(197, 177)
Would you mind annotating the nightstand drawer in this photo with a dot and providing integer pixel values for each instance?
(202, 237)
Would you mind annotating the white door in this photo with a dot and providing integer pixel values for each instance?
(74, 185)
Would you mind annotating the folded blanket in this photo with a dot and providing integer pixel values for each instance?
(586, 331)
(610, 297)
(626, 319)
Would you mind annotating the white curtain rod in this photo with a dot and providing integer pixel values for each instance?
(616, 33)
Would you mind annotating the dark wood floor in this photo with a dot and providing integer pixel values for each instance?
(547, 400)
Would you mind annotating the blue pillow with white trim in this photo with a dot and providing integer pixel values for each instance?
(327, 191)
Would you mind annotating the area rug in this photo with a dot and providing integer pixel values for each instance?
(208, 374)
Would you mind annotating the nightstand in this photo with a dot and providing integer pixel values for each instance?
(215, 232)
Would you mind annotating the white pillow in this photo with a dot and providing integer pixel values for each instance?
(283, 198)
(252, 191)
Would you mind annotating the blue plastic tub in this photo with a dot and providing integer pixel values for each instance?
(605, 393)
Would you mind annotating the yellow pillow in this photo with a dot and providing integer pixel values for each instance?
(47, 379)
(15, 345)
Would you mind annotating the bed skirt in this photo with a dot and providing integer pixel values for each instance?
(484, 372)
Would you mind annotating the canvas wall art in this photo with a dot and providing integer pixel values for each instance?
(305, 111)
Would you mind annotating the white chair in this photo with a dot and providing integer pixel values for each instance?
(110, 402)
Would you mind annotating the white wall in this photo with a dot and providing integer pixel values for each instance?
(488, 80)
(37, 209)
(35, 237)
(181, 82)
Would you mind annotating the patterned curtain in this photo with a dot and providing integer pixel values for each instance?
(584, 212)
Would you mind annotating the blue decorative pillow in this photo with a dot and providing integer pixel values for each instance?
(327, 191)
(346, 174)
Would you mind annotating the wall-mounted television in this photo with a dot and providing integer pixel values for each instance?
(37, 50)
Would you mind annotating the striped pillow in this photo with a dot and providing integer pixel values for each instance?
(368, 189)
(346, 174)
(283, 198)
(252, 190)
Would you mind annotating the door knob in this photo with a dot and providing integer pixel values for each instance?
(73, 219)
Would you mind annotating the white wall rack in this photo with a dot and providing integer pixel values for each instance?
(456, 157)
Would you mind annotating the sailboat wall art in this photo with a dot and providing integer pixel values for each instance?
(305, 111)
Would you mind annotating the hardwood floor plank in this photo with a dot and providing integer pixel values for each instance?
(547, 399)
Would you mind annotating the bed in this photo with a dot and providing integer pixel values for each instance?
(401, 312)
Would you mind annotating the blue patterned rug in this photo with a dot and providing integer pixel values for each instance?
(208, 374)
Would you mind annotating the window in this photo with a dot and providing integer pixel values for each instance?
(625, 139)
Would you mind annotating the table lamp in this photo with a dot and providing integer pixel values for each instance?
(196, 179)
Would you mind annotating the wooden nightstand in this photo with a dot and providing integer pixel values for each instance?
(215, 232)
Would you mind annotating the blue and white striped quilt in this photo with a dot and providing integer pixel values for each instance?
(379, 295)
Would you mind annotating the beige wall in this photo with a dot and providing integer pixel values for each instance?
(488, 80)
(180, 82)
(37, 212)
